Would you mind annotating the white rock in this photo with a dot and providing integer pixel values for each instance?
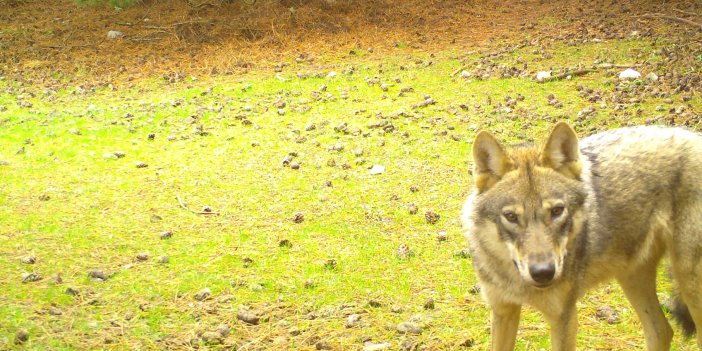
(114, 34)
(652, 77)
(352, 320)
(377, 169)
(465, 74)
(629, 74)
(331, 74)
(543, 75)
(369, 346)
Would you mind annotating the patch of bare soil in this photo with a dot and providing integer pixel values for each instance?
(58, 40)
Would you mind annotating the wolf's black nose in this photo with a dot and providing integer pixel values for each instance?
(542, 272)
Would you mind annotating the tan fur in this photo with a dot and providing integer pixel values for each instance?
(492, 163)
(547, 223)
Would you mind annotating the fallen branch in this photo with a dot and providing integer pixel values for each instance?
(182, 205)
(197, 6)
(583, 71)
(686, 12)
(164, 29)
(673, 18)
(579, 72)
(139, 40)
(177, 24)
(198, 21)
(69, 46)
(610, 65)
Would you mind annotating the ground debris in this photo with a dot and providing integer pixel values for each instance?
(203, 294)
(409, 328)
(249, 316)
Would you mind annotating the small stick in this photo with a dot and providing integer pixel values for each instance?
(458, 70)
(673, 18)
(195, 212)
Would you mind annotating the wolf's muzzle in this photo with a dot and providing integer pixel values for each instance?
(542, 272)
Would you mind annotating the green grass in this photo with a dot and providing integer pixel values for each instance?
(101, 211)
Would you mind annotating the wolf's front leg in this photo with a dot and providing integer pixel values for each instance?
(505, 321)
(564, 328)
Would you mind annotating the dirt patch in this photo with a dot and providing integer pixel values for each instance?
(70, 42)
(59, 40)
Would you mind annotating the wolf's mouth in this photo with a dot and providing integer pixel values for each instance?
(542, 286)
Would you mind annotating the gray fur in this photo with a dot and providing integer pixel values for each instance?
(629, 197)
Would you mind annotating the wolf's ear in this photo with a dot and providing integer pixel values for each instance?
(491, 161)
(561, 152)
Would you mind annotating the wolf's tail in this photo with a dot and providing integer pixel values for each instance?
(681, 314)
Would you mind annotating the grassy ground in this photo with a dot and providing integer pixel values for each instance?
(69, 201)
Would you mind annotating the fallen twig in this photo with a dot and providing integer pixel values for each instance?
(673, 18)
(182, 205)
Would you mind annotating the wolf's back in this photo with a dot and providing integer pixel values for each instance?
(648, 185)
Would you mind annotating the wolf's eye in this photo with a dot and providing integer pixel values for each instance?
(557, 211)
(511, 217)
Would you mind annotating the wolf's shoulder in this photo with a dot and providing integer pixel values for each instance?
(641, 139)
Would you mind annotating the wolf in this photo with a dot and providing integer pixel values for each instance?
(547, 223)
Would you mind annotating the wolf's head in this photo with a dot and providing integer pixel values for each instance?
(528, 201)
